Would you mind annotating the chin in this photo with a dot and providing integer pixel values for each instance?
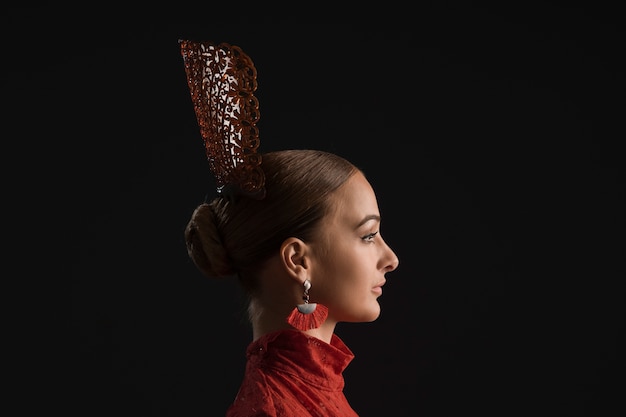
(375, 317)
(361, 315)
(371, 316)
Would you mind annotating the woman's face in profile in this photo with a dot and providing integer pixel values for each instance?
(350, 256)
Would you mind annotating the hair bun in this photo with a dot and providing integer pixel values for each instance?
(204, 244)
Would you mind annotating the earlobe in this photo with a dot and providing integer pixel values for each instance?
(294, 258)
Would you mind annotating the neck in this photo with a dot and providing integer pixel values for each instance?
(324, 332)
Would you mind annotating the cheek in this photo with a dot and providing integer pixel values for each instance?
(344, 279)
(332, 276)
(341, 260)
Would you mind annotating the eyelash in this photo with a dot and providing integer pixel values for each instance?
(370, 237)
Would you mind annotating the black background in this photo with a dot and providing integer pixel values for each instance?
(490, 134)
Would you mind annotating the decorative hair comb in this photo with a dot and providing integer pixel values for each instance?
(222, 82)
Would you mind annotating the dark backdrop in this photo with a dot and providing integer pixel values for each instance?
(491, 136)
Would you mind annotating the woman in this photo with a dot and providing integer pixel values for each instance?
(300, 229)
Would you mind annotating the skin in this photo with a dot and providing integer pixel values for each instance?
(346, 264)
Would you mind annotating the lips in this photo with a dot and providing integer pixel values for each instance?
(378, 289)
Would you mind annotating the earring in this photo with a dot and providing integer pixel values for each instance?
(308, 315)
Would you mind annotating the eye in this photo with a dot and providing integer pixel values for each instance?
(370, 237)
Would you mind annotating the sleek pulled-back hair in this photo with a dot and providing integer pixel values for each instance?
(233, 237)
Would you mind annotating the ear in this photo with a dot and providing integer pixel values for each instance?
(294, 258)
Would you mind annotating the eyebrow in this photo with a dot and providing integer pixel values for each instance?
(368, 218)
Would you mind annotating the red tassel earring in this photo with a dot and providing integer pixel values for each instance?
(308, 315)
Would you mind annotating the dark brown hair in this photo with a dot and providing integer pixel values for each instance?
(233, 237)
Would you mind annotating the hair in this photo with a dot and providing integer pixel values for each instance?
(227, 237)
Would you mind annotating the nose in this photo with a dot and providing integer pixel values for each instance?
(391, 260)
(394, 261)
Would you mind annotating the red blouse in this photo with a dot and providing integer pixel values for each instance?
(289, 373)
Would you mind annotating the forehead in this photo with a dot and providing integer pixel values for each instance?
(354, 201)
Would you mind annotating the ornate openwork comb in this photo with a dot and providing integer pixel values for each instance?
(222, 82)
